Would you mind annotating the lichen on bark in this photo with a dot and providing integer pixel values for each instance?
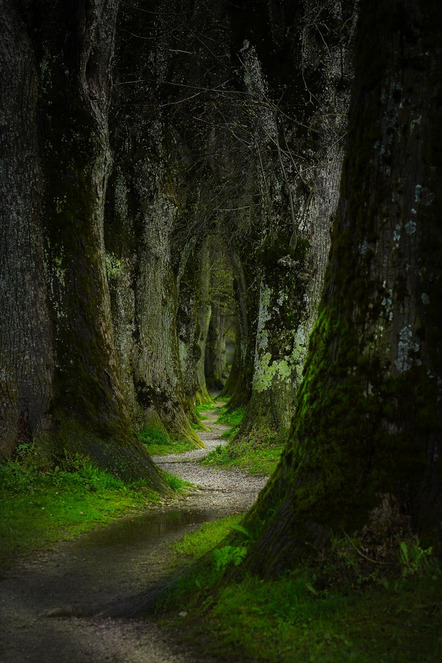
(367, 423)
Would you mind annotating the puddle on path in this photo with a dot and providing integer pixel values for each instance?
(143, 530)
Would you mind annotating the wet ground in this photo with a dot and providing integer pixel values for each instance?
(40, 597)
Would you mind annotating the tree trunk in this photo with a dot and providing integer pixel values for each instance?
(144, 209)
(299, 171)
(72, 51)
(223, 319)
(215, 360)
(194, 316)
(367, 432)
(26, 352)
(239, 382)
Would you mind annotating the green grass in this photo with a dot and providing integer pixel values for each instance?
(175, 483)
(295, 619)
(199, 412)
(200, 426)
(38, 508)
(201, 418)
(257, 452)
(205, 407)
(193, 546)
(231, 418)
(288, 620)
(253, 461)
(158, 443)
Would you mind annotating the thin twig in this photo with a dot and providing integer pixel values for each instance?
(374, 561)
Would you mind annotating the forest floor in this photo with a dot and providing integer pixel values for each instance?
(41, 595)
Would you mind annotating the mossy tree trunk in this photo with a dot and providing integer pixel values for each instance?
(223, 319)
(26, 343)
(86, 412)
(194, 314)
(367, 429)
(239, 382)
(215, 359)
(144, 208)
(299, 168)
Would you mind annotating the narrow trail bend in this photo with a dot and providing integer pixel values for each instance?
(229, 491)
(113, 563)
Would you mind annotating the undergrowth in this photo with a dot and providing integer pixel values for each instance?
(175, 483)
(40, 506)
(231, 418)
(256, 452)
(393, 616)
(195, 545)
(199, 414)
(205, 407)
(158, 442)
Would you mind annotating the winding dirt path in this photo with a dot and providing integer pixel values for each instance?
(113, 563)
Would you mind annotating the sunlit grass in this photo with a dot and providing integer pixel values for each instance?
(195, 545)
(256, 452)
(205, 407)
(39, 508)
(231, 418)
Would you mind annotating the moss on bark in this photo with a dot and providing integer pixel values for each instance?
(367, 423)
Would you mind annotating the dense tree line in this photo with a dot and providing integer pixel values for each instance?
(144, 143)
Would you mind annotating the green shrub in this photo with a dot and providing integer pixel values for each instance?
(227, 555)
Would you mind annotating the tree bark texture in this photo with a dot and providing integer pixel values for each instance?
(239, 382)
(367, 429)
(223, 319)
(26, 343)
(144, 209)
(68, 81)
(194, 316)
(300, 152)
(215, 359)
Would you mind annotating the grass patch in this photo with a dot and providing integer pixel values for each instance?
(257, 453)
(175, 483)
(199, 425)
(288, 620)
(205, 407)
(158, 443)
(200, 410)
(296, 618)
(39, 508)
(231, 418)
(193, 546)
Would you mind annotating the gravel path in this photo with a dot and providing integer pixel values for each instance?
(237, 488)
(112, 563)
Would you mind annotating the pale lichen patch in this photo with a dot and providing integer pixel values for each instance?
(406, 346)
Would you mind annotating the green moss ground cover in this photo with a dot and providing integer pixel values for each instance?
(199, 415)
(233, 418)
(246, 455)
(205, 407)
(294, 618)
